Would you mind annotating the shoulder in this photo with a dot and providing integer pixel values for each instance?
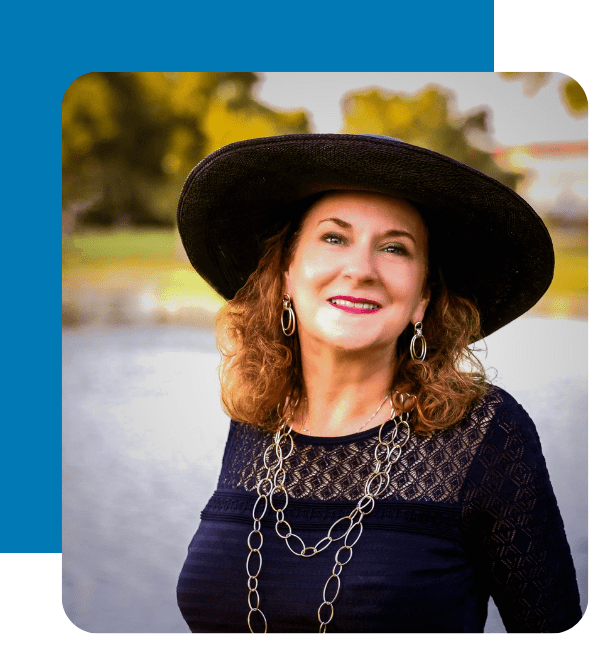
(242, 429)
(243, 434)
(498, 397)
(498, 423)
(498, 407)
(245, 446)
(244, 439)
(509, 440)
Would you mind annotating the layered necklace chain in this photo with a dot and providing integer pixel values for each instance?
(348, 528)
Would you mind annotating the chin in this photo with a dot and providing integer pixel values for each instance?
(354, 342)
(342, 336)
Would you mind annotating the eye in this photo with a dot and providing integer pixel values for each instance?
(333, 238)
(397, 249)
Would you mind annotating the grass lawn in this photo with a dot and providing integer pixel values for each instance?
(108, 245)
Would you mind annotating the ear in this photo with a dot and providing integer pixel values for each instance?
(422, 306)
(286, 282)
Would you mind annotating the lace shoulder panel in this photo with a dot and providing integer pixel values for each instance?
(431, 468)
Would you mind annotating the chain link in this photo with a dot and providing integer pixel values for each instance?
(386, 454)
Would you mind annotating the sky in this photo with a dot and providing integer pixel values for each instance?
(516, 118)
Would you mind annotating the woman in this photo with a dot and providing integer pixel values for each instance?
(373, 480)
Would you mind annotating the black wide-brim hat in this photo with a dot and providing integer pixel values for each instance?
(491, 245)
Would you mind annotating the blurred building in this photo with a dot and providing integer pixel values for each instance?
(556, 179)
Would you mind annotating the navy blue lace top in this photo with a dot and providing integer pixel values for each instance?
(469, 513)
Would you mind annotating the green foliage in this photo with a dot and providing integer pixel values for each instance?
(425, 120)
(130, 139)
(575, 97)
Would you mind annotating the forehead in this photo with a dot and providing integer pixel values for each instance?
(366, 209)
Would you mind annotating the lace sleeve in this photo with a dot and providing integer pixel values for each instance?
(514, 530)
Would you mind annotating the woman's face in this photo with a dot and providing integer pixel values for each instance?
(357, 277)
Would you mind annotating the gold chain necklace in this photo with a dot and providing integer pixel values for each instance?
(386, 453)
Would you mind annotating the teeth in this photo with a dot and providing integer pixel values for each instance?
(350, 304)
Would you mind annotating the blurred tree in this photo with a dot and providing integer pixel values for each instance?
(572, 94)
(130, 139)
(575, 97)
(425, 120)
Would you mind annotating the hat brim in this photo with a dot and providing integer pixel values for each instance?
(492, 246)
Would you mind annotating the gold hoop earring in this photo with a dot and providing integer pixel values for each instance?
(289, 328)
(422, 341)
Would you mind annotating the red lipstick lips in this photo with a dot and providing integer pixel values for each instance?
(359, 306)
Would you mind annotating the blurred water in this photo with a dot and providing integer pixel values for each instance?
(143, 437)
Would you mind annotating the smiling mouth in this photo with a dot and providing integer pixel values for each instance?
(353, 305)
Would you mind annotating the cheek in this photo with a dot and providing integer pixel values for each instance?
(309, 272)
(408, 287)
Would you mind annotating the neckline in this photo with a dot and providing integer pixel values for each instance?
(303, 438)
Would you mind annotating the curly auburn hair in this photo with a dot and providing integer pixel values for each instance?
(261, 373)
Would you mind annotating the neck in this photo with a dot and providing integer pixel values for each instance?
(343, 392)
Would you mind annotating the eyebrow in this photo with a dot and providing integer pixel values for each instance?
(392, 233)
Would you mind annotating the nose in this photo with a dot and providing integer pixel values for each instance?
(360, 265)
